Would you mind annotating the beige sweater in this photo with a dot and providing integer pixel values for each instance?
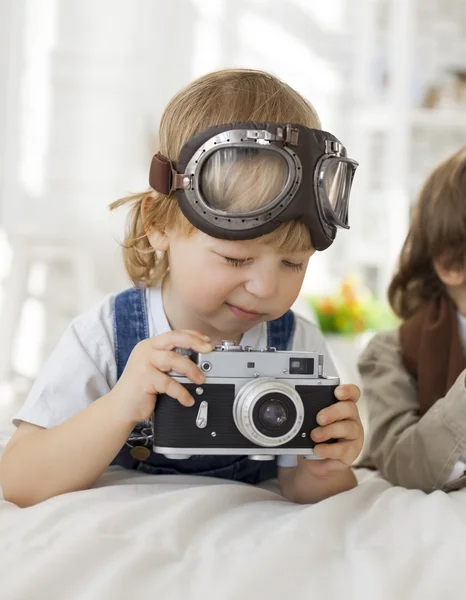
(409, 450)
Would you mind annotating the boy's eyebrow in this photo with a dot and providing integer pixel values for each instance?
(298, 255)
(233, 244)
(246, 247)
(290, 253)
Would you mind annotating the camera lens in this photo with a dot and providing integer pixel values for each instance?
(268, 412)
(273, 414)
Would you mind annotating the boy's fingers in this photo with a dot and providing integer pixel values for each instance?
(338, 412)
(345, 452)
(167, 360)
(348, 391)
(164, 384)
(347, 430)
(182, 339)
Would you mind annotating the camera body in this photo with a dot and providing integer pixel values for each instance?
(256, 402)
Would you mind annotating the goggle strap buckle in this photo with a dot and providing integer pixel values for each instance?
(163, 177)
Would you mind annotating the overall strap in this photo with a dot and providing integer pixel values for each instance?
(130, 325)
(280, 332)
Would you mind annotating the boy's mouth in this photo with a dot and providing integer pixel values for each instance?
(242, 313)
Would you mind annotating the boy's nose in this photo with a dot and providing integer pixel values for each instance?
(263, 282)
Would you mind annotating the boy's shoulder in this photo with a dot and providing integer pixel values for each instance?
(95, 325)
(306, 334)
(384, 345)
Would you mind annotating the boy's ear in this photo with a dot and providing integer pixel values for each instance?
(450, 276)
(157, 239)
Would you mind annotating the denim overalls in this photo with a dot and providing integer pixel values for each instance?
(130, 325)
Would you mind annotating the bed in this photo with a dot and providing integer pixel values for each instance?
(138, 536)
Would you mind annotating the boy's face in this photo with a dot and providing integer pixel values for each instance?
(226, 287)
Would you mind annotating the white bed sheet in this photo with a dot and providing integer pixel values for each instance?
(136, 536)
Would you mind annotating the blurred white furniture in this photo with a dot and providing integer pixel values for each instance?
(78, 104)
(30, 247)
(400, 48)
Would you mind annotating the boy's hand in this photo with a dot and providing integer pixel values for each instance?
(340, 421)
(145, 374)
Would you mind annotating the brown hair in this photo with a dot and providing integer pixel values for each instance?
(437, 232)
(227, 96)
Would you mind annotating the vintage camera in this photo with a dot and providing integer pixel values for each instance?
(256, 402)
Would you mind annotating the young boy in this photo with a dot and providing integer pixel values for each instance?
(217, 249)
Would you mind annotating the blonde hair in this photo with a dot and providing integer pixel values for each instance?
(227, 96)
(437, 232)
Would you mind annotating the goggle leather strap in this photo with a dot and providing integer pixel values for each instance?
(163, 177)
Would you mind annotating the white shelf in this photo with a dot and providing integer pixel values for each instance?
(381, 118)
(391, 28)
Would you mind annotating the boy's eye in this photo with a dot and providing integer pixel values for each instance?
(293, 266)
(236, 262)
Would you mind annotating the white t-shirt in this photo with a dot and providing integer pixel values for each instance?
(82, 368)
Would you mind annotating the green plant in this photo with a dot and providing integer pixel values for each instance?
(351, 310)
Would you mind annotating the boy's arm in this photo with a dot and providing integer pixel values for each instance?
(407, 449)
(304, 485)
(66, 458)
(40, 463)
(315, 480)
